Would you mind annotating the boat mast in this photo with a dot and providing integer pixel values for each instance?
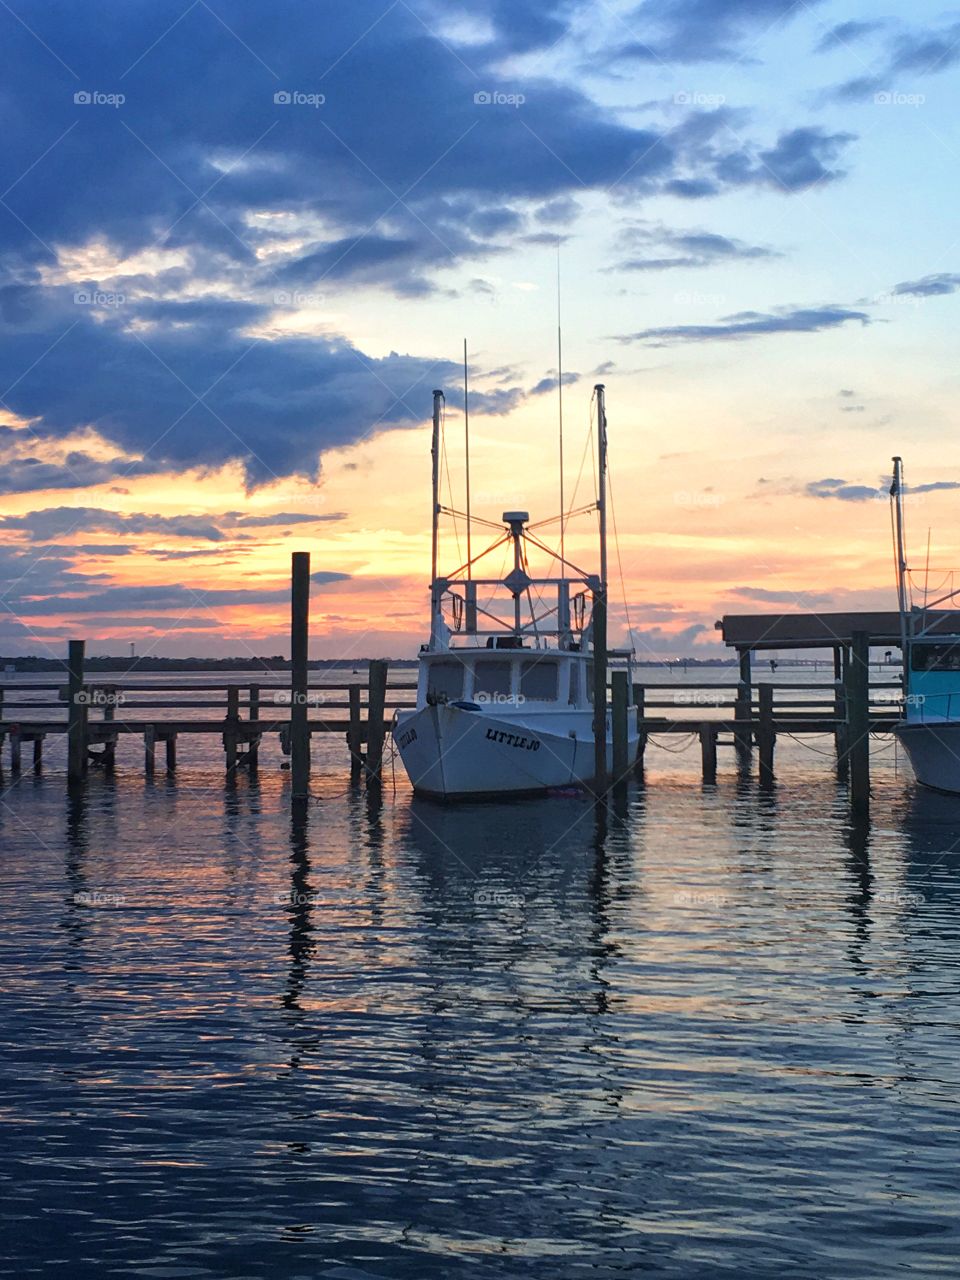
(438, 402)
(602, 478)
(896, 493)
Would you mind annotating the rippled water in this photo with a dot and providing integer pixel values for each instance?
(712, 1032)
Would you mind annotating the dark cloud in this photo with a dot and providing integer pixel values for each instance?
(803, 158)
(658, 248)
(750, 324)
(931, 286)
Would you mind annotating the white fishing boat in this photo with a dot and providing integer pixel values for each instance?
(930, 640)
(509, 699)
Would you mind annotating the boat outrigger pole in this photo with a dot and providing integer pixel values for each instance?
(598, 624)
(602, 478)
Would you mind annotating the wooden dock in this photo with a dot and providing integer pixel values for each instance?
(96, 717)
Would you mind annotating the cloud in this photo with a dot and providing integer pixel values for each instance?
(800, 596)
(833, 488)
(922, 52)
(160, 596)
(845, 34)
(931, 286)
(803, 158)
(77, 471)
(750, 324)
(55, 522)
(658, 248)
(702, 30)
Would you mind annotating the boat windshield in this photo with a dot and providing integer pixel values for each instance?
(936, 657)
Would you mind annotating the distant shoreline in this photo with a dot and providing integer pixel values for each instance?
(128, 666)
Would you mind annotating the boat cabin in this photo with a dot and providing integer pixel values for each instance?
(933, 684)
(548, 678)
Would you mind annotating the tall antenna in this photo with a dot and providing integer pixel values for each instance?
(563, 508)
(466, 432)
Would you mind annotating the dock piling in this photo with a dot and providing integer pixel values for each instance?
(376, 724)
(620, 700)
(858, 721)
(708, 751)
(743, 707)
(766, 733)
(638, 702)
(299, 641)
(354, 733)
(76, 713)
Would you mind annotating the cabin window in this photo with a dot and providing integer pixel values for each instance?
(444, 681)
(539, 680)
(491, 679)
(574, 698)
(935, 657)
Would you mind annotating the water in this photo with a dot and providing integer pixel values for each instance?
(711, 1033)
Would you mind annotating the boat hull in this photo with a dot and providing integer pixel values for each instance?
(452, 753)
(933, 750)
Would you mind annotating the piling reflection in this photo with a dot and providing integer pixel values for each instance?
(299, 908)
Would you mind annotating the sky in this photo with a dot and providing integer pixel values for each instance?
(240, 246)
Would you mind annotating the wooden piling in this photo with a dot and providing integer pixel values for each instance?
(171, 749)
(858, 721)
(376, 723)
(841, 664)
(598, 627)
(708, 751)
(15, 757)
(620, 701)
(299, 641)
(231, 731)
(76, 713)
(743, 707)
(354, 733)
(38, 753)
(149, 749)
(253, 747)
(638, 702)
(766, 734)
